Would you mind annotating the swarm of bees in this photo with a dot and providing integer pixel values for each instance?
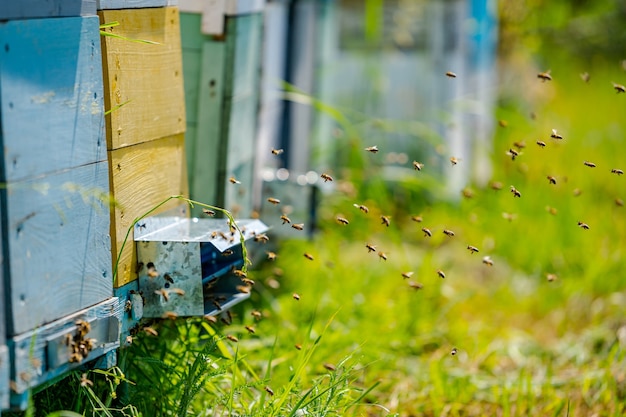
(79, 345)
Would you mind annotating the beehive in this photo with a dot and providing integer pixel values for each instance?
(30, 9)
(55, 211)
(143, 84)
(222, 75)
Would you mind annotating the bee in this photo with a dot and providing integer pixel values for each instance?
(515, 192)
(298, 346)
(228, 252)
(248, 281)
(454, 160)
(250, 329)
(382, 256)
(415, 285)
(164, 293)
(541, 143)
(210, 318)
(330, 367)
(213, 235)
(273, 200)
(84, 381)
(326, 177)
(427, 232)
(472, 249)
(139, 267)
(234, 180)
(453, 351)
(407, 275)
(417, 166)
(585, 77)
(551, 277)
(178, 291)
(82, 327)
(370, 247)
(583, 225)
(555, 135)
(417, 219)
(467, 193)
(277, 151)
(343, 220)
(441, 274)
(513, 154)
(551, 179)
(169, 315)
(269, 390)
(232, 338)
(385, 220)
(261, 238)
(152, 272)
(239, 273)
(495, 185)
(308, 256)
(129, 340)
(150, 331)
(487, 261)
(363, 208)
(449, 233)
(243, 289)
(577, 192)
(450, 74)
(551, 210)
(589, 164)
(519, 145)
(503, 123)
(372, 149)
(298, 226)
(271, 256)
(75, 357)
(256, 314)
(617, 171)
(296, 296)
(619, 202)
(545, 76)
(208, 212)
(168, 278)
(217, 305)
(619, 88)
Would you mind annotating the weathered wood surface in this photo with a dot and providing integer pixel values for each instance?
(51, 95)
(30, 9)
(204, 61)
(41, 354)
(57, 251)
(241, 97)
(142, 176)
(4, 377)
(144, 79)
(134, 4)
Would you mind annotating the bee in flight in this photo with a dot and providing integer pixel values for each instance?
(343, 220)
(370, 248)
(583, 225)
(385, 220)
(454, 160)
(487, 261)
(234, 180)
(277, 151)
(427, 232)
(441, 274)
(326, 177)
(298, 226)
(551, 179)
(450, 74)
(541, 143)
(555, 135)
(417, 219)
(544, 76)
(285, 219)
(308, 256)
(382, 255)
(208, 212)
(407, 275)
(589, 164)
(619, 88)
(448, 232)
(515, 192)
(617, 171)
(415, 285)
(585, 77)
(296, 296)
(472, 249)
(363, 208)
(513, 154)
(273, 200)
(417, 166)
(372, 149)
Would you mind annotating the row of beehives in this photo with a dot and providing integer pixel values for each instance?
(89, 120)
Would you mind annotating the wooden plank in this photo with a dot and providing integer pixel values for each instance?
(142, 176)
(41, 354)
(241, 91)
(148, 78)
(4, 377)
(133, 4)
(207, 156)
(51, 104)
(30, 9)
(211, 13)
(57, 250)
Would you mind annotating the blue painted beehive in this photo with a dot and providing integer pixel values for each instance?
(54, 207)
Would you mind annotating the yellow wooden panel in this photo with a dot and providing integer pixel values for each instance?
(142, 176)
(146, 80)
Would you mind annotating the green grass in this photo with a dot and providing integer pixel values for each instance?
(526, 346)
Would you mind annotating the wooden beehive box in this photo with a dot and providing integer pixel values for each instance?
(55, 210)
(143, 85)
(222, 76)
(4, 354)
(30, 9)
